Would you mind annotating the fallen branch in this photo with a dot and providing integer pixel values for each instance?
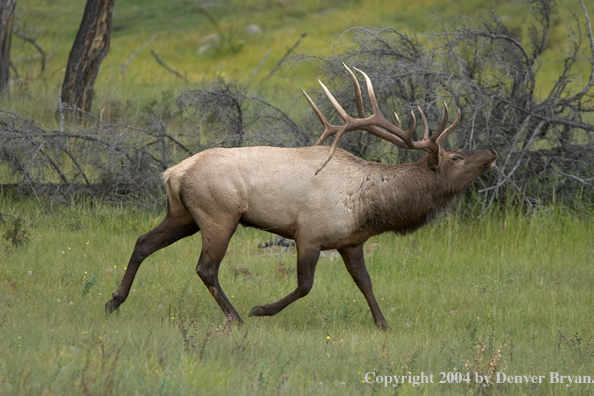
(579, 179)
(257, 69)
(289, 50)
(39, 49)
(159, 61)
(125, 65)
(14, 69)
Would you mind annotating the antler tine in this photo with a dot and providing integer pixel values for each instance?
(425, 124)
(413, 123)
(405, 136)
(338, 130)
(443, 122)
(359, 101)
(358, 95)
(328, 128)
(315, 108)
(332, 150)
(343, 114)
(445, 133)
(389, 136)
(398, 120)
(370, 92)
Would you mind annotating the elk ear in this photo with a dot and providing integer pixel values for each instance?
(433, 158)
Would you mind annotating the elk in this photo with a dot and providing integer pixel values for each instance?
(323, 198)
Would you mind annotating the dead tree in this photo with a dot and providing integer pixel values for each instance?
(89, 48)
(6, 17)
(236, 117)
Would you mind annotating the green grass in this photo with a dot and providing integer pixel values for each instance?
(448, 290)
(525, 282)
(179, 26)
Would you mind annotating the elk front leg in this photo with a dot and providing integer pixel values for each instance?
(215, 241)
(355, 262)
(172, 229)
(307, 258)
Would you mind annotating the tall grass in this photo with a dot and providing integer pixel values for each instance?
(144, 86)
(521, 285)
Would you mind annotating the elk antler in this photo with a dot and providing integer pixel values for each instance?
(377, 124)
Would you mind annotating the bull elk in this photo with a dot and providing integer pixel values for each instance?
(323, 198)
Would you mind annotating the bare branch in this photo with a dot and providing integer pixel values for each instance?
(124, 67)
(170, 70)
(37, 47)
(590, 83)
(286, 55)
(574, 177)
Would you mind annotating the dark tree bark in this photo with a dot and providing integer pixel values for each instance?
(89, 48)
(6, 17)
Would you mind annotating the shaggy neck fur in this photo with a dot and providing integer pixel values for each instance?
(402, 198)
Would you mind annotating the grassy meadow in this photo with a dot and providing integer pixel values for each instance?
(130, 87)
(510, 292)
(506, 293)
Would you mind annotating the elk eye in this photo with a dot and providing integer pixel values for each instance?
(456, 158)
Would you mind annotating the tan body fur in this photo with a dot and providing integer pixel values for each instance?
(276, 189)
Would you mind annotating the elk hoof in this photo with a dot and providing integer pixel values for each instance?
(113, 304)
(384, 326)
(259, 310)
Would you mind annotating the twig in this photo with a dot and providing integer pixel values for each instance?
(179, 144)
(257, 69)
(552, 120)
(61, 110)
(125, 65)
(280, 62)
(579, 179)
(159, 61)
(213, 21)
(590, 83)
(228, 38)
(14, 69)
(505, 178)
(31, 41)
(53, 164)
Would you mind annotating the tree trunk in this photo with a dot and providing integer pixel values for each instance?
(6, 17)
(89, 48)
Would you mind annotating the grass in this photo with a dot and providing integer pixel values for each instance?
(179, 26)
(519, 284)
(507, 293)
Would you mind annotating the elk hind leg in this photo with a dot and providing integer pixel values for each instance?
(355, 262)
(177, 224)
